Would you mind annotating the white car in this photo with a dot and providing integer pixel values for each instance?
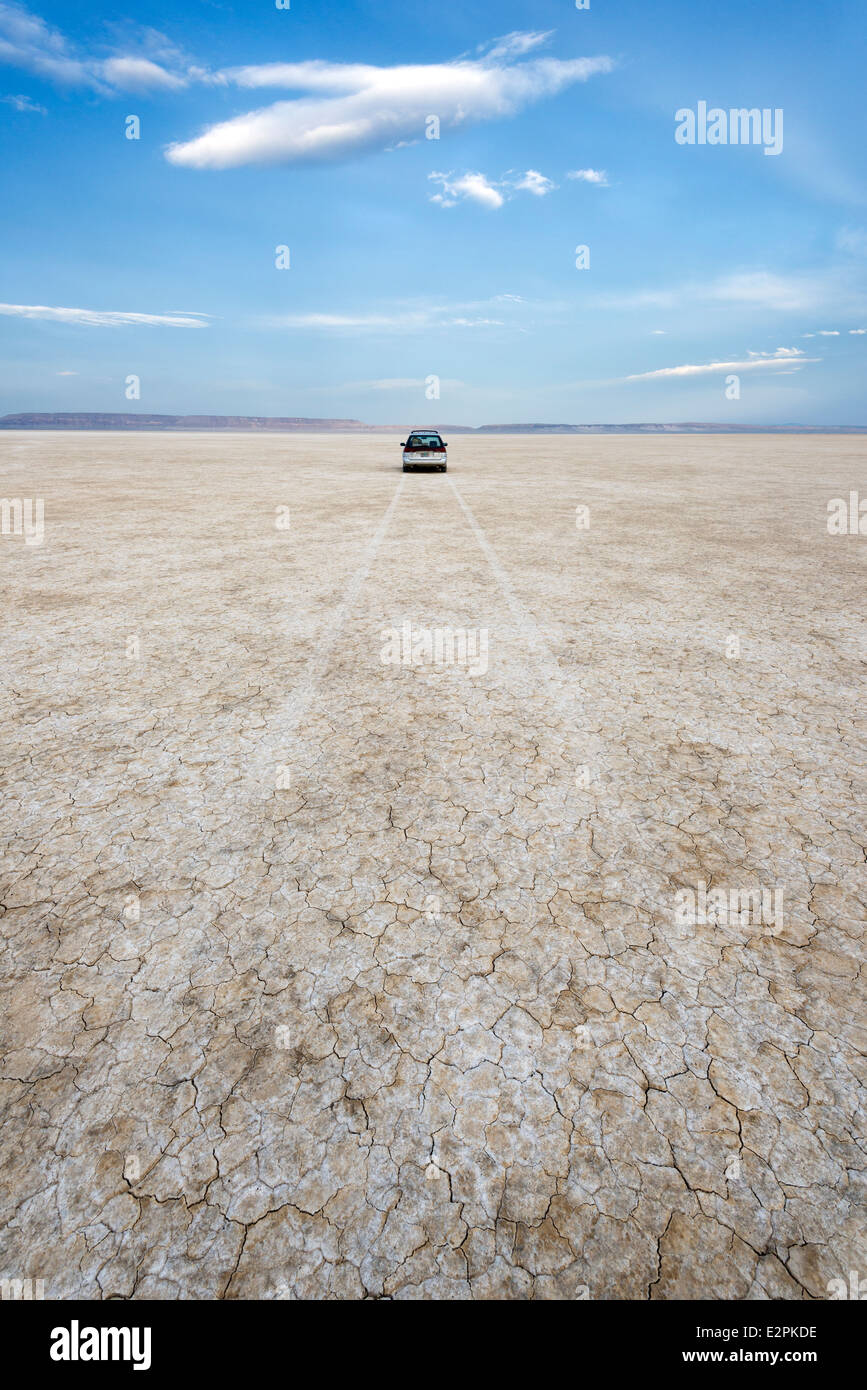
(424, 449)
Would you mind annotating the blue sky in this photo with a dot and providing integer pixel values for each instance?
(413, 258)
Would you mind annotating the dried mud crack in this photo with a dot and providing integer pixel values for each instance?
(327, 977)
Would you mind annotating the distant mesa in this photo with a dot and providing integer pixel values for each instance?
(288, 424)
(77, 420)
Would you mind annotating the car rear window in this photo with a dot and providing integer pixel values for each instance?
(424, 441)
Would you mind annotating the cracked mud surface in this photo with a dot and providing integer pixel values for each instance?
(328, 978)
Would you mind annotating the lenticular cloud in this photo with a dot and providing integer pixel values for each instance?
(359, 108)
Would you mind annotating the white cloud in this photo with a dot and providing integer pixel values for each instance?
(355, 108)
(315, 75)
(597, 176)
(422, 318)
(402, 383)
(857, 331)
(139, 75)
(26, 41)
(67, 373)
(337, 322)
(475, 187)
(765, 289)
(478, 188)
(783, 357)
(348, 108)
(25, 104)
(516, 44)
(393, 383)
(826, 291)
(534, 182)
(102, 318)
(779, 352)
(330, 321)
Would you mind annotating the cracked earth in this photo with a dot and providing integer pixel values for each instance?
(327, 978)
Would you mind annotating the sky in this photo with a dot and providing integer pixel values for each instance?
(431, 173)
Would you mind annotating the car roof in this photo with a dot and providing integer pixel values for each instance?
(424, 429)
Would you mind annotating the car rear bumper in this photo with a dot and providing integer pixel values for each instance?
(424, 460)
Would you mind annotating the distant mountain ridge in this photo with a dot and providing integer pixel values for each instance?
(288, 424)
(86, 420)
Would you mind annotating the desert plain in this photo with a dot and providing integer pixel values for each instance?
(327, 973)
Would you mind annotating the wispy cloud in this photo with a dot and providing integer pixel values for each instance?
(355, 108)
(336, 323)
(786, 358)
(24, 104)
(103, 318)
(398, 383)
(534, 182)
(834, 332)
(28, 42)
(516, 44)
(597, 176)
(765, 290)
(778, 353)
(406, 319)
(478, 188)
(828, 290)
(140, 75)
